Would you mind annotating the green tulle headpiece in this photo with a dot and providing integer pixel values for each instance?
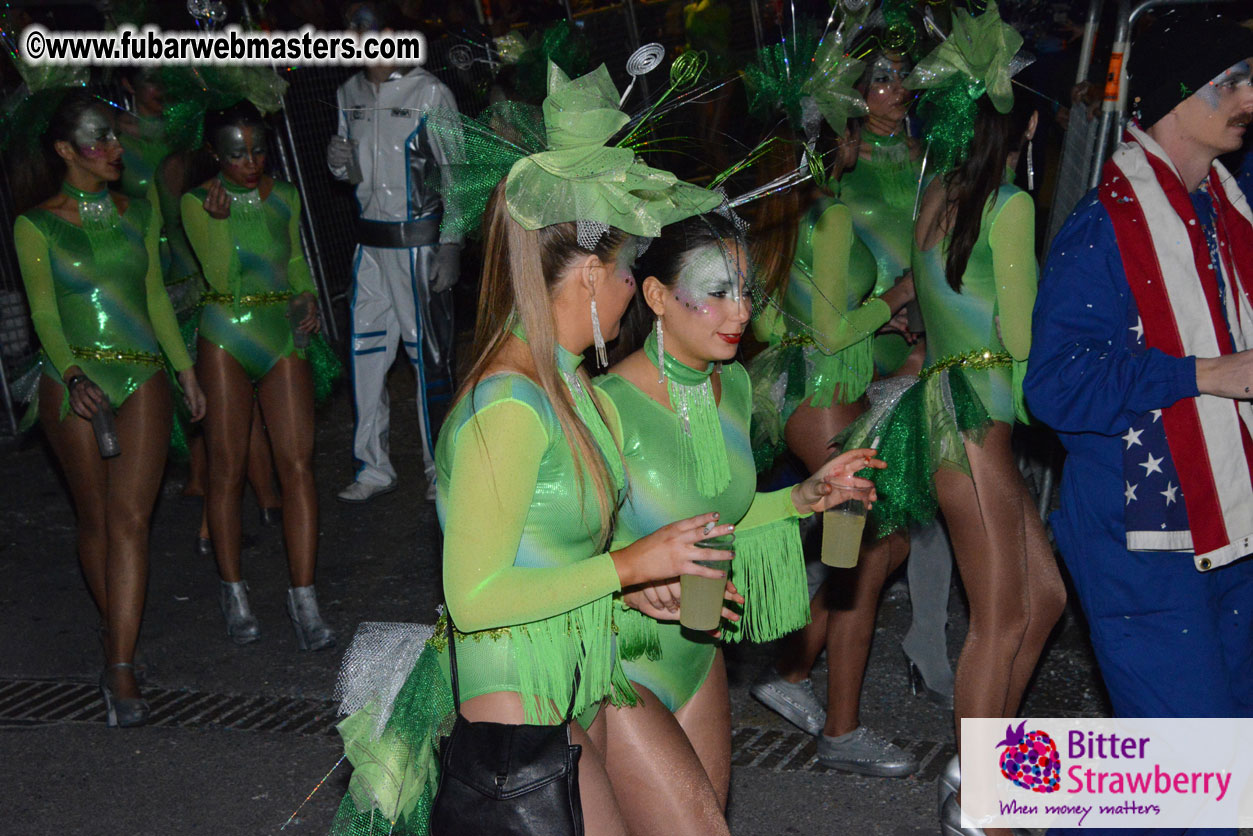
(979, 57)
(29, 108)
(194, 91)
(558, 165)
(806, 78)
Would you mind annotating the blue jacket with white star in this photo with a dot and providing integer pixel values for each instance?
(1091, 378)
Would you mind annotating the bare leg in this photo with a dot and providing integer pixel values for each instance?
(197, 467)
(113, 500)
(988, 517)
(143, 428)
(853, 603)
(261, 462)
(286, 397)
(808, 434)
(228, 392)
(74, 444)
(706, 720)
(656, 774)
(601, 816)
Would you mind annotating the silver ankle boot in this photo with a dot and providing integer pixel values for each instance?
(311, 631)
(241, 624)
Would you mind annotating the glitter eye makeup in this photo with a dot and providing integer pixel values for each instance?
(883, 71)
(710, 273)
(93, 133)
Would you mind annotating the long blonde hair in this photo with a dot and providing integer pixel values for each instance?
(520, 270)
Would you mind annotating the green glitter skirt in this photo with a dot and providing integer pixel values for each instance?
(918, 425)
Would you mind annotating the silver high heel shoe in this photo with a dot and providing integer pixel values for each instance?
(241, 624)
(311, 631)
(948, 783)
(122, 712)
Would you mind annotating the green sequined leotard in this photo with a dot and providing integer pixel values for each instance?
(253, 262)
(526, 578)
(999, 282)
(881, 191)
(104, 307)
(822, 348)
(669, 660)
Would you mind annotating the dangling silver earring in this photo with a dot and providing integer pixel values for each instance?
(602, 356)
(1030, 165)
(661, 353)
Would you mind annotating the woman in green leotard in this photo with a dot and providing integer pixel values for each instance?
(93, 279)
(881, 190)
(680, 407)
(975, 269)
(151, 171)
(245, 229)
(809, 386)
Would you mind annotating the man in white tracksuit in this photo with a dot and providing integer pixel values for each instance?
(403, 268)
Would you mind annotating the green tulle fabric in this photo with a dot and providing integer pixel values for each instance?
(704, 464)
(978, 58)
(793, 369)
(27, 111)
(921, 431)
(395, 776)
(559, 168)
(769, 570)
(191, 92)
(805, 77)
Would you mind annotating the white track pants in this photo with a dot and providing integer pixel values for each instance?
(391, 305)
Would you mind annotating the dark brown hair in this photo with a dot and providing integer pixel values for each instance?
(970, 186)
(36, 175)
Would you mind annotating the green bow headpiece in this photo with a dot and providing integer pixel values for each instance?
(804, 78)
(979, 57)
(979, 53)
(565, 172)
(191, 92)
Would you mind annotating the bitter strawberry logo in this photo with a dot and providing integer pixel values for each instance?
(1030, 759)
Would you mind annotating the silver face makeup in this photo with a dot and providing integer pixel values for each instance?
(233, 148)
(710, 274)
(1235, 76)
(92, 132)
(885, 71)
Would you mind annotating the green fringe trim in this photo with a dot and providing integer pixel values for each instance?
(769, 571)
(549, 650)
(637, 634)
(925, 430)
(849, 369)
(395, 776)
(699, 429)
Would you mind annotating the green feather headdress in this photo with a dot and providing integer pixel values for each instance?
(979, 57)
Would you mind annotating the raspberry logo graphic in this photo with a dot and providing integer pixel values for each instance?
(1030, 759)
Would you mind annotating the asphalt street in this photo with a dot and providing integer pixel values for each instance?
(240, 736)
